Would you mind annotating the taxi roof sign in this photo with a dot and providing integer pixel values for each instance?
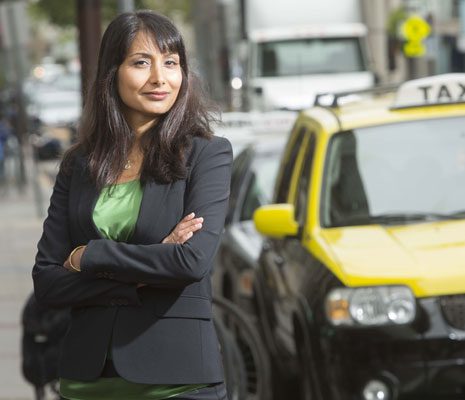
(433, 90)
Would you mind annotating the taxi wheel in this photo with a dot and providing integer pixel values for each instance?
(320, 377)
(310, 382)
(306, 389)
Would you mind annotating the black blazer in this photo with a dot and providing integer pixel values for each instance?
(159, 334)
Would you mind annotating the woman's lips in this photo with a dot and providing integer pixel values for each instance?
(157, 96)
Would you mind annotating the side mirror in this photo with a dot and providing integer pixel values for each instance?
(276, 220)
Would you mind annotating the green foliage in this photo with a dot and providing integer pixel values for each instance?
(58, 12)
(63, 12)
(167, 7)
(395, 20)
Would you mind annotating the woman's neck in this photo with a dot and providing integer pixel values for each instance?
(140, 127)
(139, 123)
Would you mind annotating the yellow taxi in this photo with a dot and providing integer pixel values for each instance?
(360, 289)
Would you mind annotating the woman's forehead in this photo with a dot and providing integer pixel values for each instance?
(144, 42)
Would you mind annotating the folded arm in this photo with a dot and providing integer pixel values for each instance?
(169, 265)
(54, 286)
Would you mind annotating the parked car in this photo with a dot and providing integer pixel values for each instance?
(252, 180)
(56, 107)
(244, 128)
(361, 281)
(57, 101)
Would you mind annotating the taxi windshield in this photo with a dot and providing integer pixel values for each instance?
(396, 174)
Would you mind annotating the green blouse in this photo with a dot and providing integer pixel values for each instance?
(117, 209)
(115, 215)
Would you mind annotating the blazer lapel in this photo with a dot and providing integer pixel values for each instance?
(88, 195)
(153, 198)
(151, 208)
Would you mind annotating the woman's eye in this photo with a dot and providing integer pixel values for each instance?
(141, 63)
(171, 63)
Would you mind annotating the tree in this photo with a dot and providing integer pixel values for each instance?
(63, 13)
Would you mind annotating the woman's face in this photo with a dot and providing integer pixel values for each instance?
(148, 81)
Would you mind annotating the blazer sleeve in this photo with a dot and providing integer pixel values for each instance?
(54, 285)
(175, 265)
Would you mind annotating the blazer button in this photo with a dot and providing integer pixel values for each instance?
(111, 275)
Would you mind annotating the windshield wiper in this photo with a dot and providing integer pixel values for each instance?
(458, 214)
(397, 218)
(408, 217)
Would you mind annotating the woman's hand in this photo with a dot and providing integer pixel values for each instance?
(184, 230)
(76, 259)
(181, 233)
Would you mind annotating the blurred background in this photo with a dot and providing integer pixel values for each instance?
(254, 56)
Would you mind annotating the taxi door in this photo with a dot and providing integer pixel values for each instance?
(283, 259)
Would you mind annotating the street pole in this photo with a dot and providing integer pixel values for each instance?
(20, 68)
(125, 6)
(89, 20)
(461, 36)
(205, 17)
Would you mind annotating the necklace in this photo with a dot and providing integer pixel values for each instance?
(128, 164)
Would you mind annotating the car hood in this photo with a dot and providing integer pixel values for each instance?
(297, 93)
(428, 257)
(244, 239)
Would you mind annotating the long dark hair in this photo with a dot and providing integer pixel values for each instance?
(104, 135)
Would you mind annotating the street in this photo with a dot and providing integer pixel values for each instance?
(20, 231)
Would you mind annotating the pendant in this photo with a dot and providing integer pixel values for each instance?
(128, 164)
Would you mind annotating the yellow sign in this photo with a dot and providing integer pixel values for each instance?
(414, 49)
(415, 29)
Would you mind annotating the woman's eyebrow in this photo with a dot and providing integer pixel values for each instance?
(140, 54)
(148, 55)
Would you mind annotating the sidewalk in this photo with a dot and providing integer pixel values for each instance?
(20, 229)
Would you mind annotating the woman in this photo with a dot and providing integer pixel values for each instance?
(134, 223)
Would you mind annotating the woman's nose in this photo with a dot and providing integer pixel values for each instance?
(156, 74)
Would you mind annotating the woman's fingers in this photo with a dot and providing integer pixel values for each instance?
(185, 229)
(188, 217)
(193, 225)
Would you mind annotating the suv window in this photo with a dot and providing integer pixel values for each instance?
(260, 183)
(239, 168)
(301, 198)
(286, 175)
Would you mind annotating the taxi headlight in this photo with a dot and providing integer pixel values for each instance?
(371, 306)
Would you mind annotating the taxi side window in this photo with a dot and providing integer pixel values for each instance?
(285, 178)
(301, 198)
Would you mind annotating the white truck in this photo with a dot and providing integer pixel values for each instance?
(299, 48)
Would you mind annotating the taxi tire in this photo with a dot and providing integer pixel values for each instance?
(280, 385)
(321, 380)
(310, 387)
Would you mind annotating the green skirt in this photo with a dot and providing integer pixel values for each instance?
(119, 389)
